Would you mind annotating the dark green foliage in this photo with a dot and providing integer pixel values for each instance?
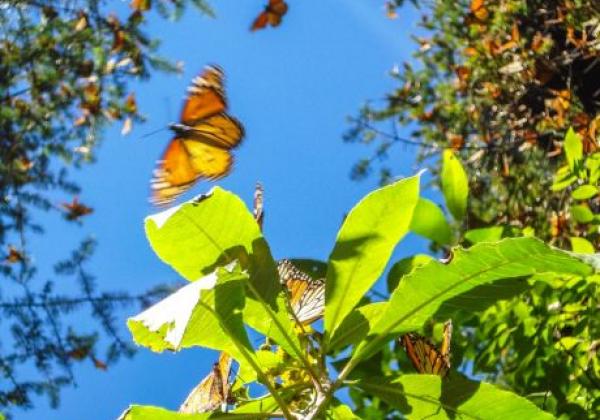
(501, 83)
(65, 70)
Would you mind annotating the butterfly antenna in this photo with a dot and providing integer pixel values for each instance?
(151, 133)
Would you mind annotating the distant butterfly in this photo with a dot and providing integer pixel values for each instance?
(201, 148)
(75, 210)
(272, 15)
(426, 357)
(213, 391)
(307, 295)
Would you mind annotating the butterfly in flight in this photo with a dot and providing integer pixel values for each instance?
(272, 15)
(213, 391)
(203, 140)
(75, 209)
(307, 295)
(426, 357)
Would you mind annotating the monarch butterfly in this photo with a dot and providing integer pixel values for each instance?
(307, 295)
(75, 209)
(272, 15)
(203, 140)
(425, 357)
(213, 391)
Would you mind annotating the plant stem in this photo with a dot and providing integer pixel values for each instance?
(250, 360)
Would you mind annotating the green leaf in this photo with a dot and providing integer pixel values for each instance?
(487, 234)
(403, 267)
(148, 412)
(341, 412)
(573, 149)
(430, 396)
(442, 288)
(455, 185)
(263, 405)
(213, 230)
(202, 233)
(581, 245)
(563, 178)
(592, 163)
(584, 192)
(429, 221)
(582, 213)
(364, 244)
(205, 313)
(356, 325)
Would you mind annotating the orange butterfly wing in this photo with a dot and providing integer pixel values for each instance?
(206, 96)
(425, 357)
(213, 391)
(272, 15)
(202, 143)
(307, 295)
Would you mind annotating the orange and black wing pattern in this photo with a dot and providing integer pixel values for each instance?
(272, 15)
(425, 356)
(307, 295)
(212, 392)
(204, 138)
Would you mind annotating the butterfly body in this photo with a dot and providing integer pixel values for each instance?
(202, 142)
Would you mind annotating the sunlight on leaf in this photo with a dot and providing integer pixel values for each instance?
(455, 185)
(204, 313)
(364, 245)
(436, 287)
(430, 222)
(429, 396)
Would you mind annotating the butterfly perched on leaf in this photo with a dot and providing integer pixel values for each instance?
(213, 391)
(203, 140)
(307, 295)
(425, 356)
(272, 15)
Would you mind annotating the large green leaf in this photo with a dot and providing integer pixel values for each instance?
(455, 185)
(430, 397)
(207, 231)
(442, 288)
(403, 267)
(148, 412)
(213, 230)
(205, 313)
(364, 245)
(356, 325)
(430, 222)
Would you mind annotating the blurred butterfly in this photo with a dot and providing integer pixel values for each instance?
(75, 210)
(201, 147)
(307, 295)
(213, 391)
(426, 357)
(272, 15)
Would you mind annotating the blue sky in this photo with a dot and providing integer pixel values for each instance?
(292, 87)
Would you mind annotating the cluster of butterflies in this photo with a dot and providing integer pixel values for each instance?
(214, 391)
(202, 149)
(306, 296)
